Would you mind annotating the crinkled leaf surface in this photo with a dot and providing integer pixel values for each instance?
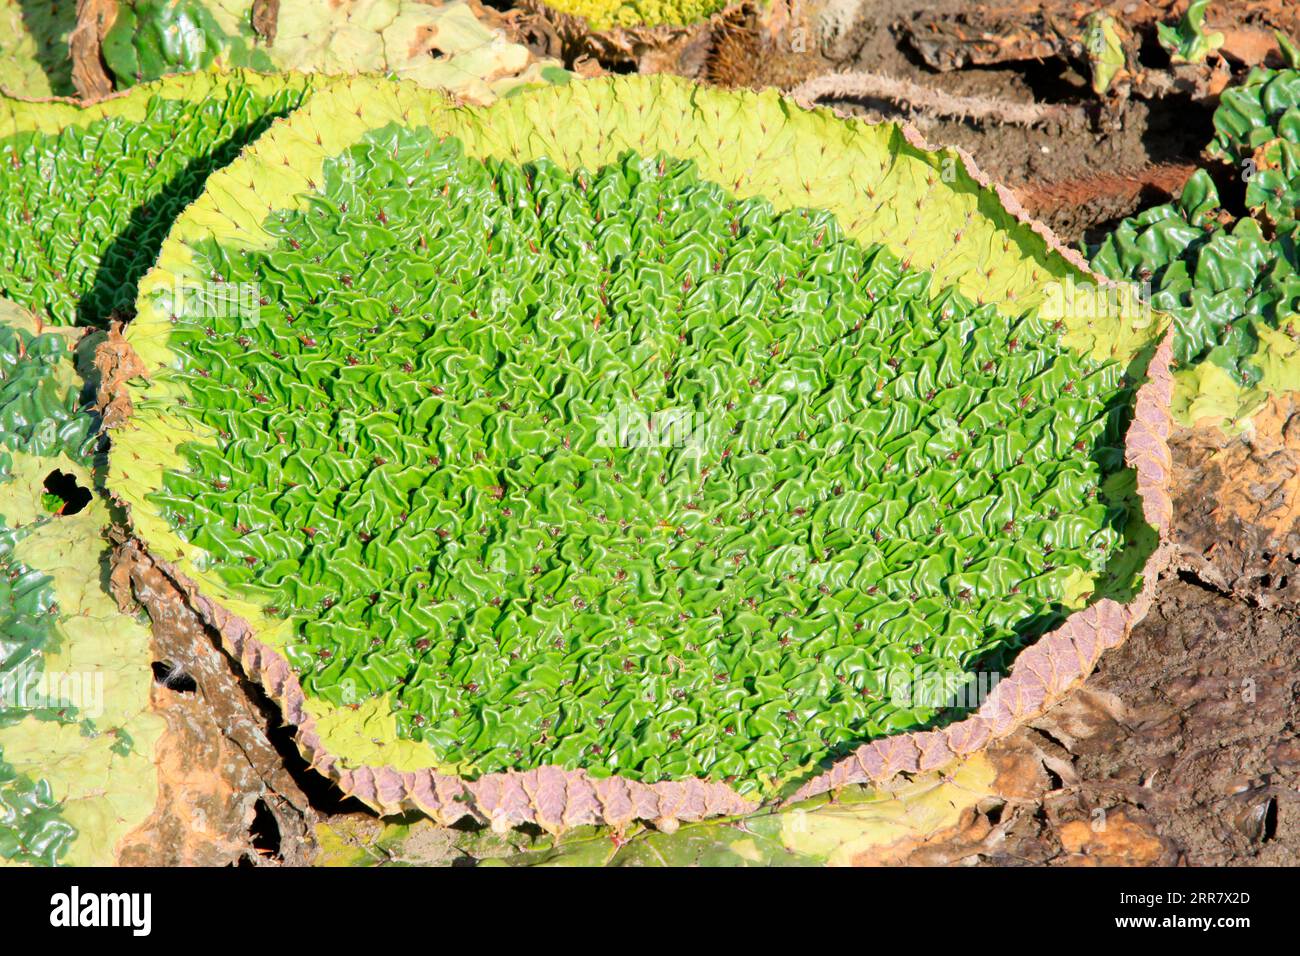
(1250, 114)
(34, 58)
(152, 38)
(440, 45)
(76, 737)
(1231, 290)
(1257, 126)
(1273, 192)
(88, 193)
(418, 465)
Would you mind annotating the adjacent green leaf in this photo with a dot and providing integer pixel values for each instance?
(88, 193)
(76, 737)
(1233, 288)
(34, 57)
(152, 38)
(439, 45)
(1257, 128)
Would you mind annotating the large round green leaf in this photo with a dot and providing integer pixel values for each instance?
(627, 427)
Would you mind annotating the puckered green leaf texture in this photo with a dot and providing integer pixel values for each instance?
(39, 415)
(1231, 286)
(40, 407)
(34, 56)
(1257, 126)
(610, 467)
(1216, 280)
(152, 38)
(88, 193)
(75, 734)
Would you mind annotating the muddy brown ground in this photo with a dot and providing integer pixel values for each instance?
(1075, 175)
(1181, 749)
(1099, 162)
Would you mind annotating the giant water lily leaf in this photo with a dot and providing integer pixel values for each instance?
(441, 45)
(34, 57)
(617, 450)
(95, 763)
(88, 192)
(76, 735)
